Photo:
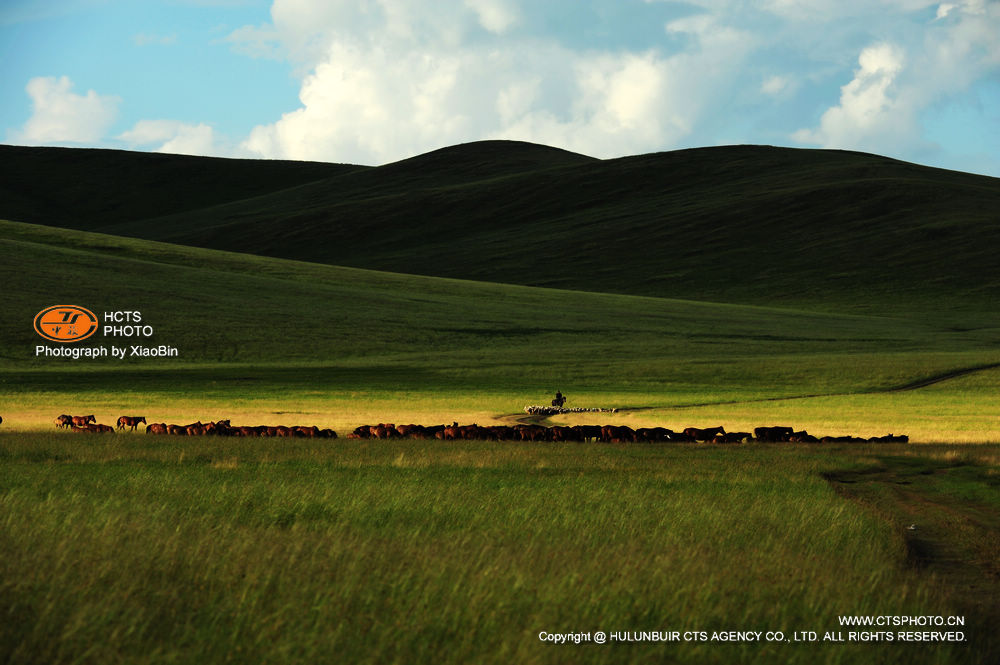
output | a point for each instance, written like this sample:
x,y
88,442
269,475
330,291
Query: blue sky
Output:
x,y
374,81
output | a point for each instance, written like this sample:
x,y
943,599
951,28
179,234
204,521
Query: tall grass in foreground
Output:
x,y
205,551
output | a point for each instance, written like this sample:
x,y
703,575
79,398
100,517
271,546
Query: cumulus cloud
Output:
x,y
943,10
173,137
617,104
494,15
880,108
775,85
387,80
60,115
382,80
870,107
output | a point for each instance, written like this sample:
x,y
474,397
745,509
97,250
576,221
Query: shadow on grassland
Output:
x,y
948,514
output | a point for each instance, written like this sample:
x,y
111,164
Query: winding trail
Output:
x,y
541,419
523,418
913,385
948,536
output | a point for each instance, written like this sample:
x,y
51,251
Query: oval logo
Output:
x,y
65,323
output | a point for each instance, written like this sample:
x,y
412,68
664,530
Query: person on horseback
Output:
x,y
559,400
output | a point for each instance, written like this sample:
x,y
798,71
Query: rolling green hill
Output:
x,y
213,549
748,224
259,333
230,308
88,188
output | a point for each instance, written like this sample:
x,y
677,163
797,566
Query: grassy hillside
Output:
x,y
87,188
259,335
745,224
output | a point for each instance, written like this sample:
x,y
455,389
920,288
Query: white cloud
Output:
x,y
618,104
813,11
880,108
382,80
775,85
173,137
60,115
146,132
256,41
494,15
870,111
394,79
943,10
192,140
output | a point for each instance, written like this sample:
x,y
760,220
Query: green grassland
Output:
x,y
261,337
834,292
156,550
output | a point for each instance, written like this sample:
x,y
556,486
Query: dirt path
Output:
x,y
541,419
950,537
523,419
938,378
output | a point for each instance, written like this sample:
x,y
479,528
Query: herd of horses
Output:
x,y
454,432
88,425
604,434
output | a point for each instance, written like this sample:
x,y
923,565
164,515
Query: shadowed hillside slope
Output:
x,y
85,188
222,307
740,223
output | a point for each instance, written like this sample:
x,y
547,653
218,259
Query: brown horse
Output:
x,y
617,434
131,422
384,431
156,428
93,429
82,421
706,434
64,421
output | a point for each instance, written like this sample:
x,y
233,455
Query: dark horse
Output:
x,y
131,422
706,434
559,400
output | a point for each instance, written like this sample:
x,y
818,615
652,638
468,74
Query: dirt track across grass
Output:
x,y
912,385
951,535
